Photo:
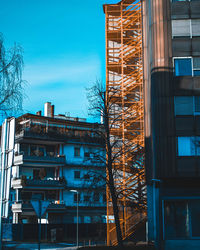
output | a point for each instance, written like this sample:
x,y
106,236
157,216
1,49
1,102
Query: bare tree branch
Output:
x,y
11,83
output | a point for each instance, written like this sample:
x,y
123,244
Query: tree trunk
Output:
x,y
111,183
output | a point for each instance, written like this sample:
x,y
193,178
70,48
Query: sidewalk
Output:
x,y
34,246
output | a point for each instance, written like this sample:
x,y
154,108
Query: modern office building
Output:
x,y
171,44
58,159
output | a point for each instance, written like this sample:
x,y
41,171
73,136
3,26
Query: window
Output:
x,y
75,197
181,28
77,174
87,155
189,146
96,196
36,174
86,198
173,1
37,150
184,0
183,66
182,218
189,66
86,176
87,219
77,152
50,150
187,105
33,150
104,197
75,219
24,148
188,28
196,65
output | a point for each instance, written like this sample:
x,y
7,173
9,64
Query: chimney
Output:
x,y
39,113
47,109
52,110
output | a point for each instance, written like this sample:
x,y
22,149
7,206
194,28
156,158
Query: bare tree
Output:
x,y
99,106
103,104
11,83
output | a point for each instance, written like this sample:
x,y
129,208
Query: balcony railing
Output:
x,y
58,134
43,184
21,159
20,206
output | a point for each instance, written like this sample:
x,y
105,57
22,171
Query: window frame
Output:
x,y
190,26
194,112
182,57
183,198
195,147
75,172
77,148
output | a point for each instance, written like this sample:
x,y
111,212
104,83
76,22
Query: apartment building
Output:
x,y
58,159
172,121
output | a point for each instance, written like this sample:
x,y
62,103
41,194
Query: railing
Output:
x,y
19,159
22,204
50,183
23,181
59,134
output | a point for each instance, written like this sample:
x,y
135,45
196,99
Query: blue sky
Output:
x,y
64,49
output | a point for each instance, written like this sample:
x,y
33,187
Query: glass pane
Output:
x,y
33,150
76,151
194,206
176,219
186,146
41,151
196,72
183,67
183,105
197,104
50,150
195,27
24,148
196,62
197,145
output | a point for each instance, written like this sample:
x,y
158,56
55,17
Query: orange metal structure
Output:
x,y
124,86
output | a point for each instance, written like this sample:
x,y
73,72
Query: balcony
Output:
x,y
39,160
28,134
25,206
56,135
38,184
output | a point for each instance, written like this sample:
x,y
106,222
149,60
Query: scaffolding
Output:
x,y
124,87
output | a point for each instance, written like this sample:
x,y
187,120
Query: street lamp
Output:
x,y
77,197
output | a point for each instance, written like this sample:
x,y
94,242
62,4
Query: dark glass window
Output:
x,y
176,219
196,72
75,197
184,105
77,174
96,196
183,66
50,150
24,149
36,174
182,219
86,198
33,150
86,176
76,152
86,154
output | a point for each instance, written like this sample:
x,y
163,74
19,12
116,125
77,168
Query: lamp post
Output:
x,y
76,191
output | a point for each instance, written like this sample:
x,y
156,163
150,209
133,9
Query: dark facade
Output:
x,y
172,121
